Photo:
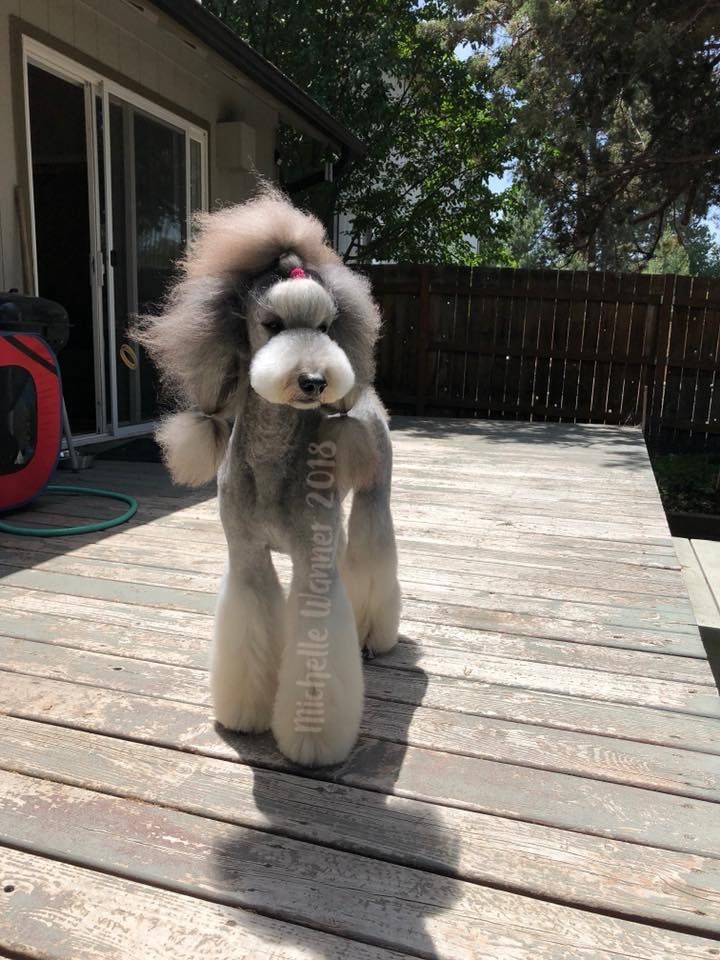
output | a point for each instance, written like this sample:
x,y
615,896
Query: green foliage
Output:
x,y
529,244
610,110
526,229
703,251
697,255
616,112
670,256
433,132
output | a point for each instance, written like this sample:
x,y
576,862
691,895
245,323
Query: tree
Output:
x,y
703,250
670,256
434,134
528,243
617,112
526,231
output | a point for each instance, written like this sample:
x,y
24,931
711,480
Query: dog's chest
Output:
x,y
274,452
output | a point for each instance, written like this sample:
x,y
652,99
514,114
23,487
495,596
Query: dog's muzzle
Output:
x,y
303,368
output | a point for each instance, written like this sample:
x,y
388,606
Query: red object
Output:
x,y
30,417
297,273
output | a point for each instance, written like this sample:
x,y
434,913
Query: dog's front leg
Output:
x,y
369,564
320,689
369,571
248,641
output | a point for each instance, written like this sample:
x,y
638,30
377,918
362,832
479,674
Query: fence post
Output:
x,y
662,341
423,340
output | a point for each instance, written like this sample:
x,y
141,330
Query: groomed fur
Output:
x,y
268,329
251,236
356,452
199,366
199,342
193,446
315,302
274,369
358,317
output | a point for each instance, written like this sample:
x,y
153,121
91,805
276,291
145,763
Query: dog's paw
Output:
x,y
243,717
378,642
318,726
238,703
320,748
380,621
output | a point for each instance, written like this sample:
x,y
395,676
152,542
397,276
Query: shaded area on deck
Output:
x,y
539,767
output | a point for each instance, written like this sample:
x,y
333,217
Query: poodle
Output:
x,y
267,343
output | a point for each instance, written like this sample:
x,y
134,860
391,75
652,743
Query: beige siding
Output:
x,y
61,20
152,50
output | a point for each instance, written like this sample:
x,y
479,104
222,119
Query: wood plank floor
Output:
x,y
538,773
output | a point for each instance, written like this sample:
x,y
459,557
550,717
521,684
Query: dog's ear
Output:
x,y
199,343
357,324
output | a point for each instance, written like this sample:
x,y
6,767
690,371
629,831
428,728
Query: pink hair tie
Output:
x,y
297,273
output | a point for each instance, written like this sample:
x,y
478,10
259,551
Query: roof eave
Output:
x,y
220,38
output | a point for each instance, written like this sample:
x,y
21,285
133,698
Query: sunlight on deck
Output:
x,y
538,770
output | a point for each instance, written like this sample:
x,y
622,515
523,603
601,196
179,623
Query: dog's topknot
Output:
x,y
250,237
289,261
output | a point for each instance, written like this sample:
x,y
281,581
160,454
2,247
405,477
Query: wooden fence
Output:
x,y
554,345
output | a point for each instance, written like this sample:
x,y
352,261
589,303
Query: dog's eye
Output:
x,y
322,327
273,327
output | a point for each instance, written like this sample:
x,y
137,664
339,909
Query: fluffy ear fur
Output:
x,y
357,324
199,344
199,340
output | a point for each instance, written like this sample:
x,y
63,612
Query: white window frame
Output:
x,y
95,85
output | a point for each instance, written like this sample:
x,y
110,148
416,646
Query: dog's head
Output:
x,y
264,303
291,315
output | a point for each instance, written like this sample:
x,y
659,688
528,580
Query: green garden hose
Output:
x,y
83,527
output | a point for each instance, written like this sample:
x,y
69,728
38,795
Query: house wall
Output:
x,y
148,52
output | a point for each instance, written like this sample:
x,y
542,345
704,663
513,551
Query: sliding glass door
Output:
x,y
149,218
65,229
143,177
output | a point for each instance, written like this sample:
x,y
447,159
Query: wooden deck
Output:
x,y
538,774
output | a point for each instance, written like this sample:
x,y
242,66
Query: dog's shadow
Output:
x,y
340,851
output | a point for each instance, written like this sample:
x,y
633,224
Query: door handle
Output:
x,y
97,265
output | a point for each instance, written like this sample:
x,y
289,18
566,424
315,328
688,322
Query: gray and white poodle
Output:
x,y
267,340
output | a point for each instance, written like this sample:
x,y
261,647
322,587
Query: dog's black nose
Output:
x,y
312,384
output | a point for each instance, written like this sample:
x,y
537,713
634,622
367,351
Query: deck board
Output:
x,y
345,893
626,878
688,773
571,801
538,774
